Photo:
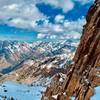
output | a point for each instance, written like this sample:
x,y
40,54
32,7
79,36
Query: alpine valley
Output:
x,y
34,64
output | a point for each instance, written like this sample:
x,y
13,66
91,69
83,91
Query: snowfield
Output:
x,y
20,91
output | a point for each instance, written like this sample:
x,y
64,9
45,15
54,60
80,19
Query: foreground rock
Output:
x,y
84,73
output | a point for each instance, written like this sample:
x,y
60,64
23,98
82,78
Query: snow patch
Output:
x,y
55,96
21,91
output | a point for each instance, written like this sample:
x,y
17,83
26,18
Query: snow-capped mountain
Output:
x,y
34,63
13,53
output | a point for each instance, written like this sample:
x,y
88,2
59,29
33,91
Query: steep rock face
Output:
x,y
84,73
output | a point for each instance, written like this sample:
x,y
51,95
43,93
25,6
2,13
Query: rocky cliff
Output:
x,y
84,73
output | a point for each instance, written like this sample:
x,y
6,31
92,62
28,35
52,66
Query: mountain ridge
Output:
x,y
44,60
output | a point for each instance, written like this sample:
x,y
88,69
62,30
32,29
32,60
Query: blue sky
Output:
x,y
31,20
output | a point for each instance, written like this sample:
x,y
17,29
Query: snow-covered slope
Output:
x,y
13,53
15,91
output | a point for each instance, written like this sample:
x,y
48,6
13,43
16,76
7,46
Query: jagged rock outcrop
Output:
x,y
84,73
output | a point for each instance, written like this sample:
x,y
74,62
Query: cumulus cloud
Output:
x,y
20,15
57,28
65,5
41,36
65,30
25,14
53,36
59,18
74,25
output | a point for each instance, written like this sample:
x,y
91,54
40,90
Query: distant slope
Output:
x,y
43,60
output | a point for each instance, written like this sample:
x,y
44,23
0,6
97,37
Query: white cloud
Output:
x,y
24,13
41,36
74,25
57,28
33,24
72,34
65,5
11,7
53,36
65,30
21,14
19,23
59,18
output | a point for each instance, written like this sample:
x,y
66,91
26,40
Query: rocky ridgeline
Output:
x,y
84,73
46,60
13,53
